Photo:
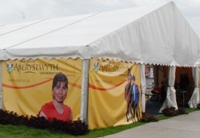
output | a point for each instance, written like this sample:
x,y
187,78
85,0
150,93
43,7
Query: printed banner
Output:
x,y
109,105
27,84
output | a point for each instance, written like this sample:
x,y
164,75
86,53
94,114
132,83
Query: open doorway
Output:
x,y
156,88
184,86
157,84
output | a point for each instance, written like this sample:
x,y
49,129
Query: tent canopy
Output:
x,y
150,35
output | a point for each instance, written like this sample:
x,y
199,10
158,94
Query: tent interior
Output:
x,y
157,83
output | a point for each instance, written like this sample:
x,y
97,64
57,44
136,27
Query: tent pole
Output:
x,y
1,94
143,85
84,90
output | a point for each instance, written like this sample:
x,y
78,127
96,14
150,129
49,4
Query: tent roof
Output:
x,y
150,35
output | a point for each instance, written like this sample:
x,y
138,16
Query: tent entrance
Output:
x,y
184,86
154,99
157,84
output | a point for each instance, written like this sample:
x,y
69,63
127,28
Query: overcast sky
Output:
x,y
14,11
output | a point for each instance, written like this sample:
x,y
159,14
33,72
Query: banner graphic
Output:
x,y
109,104
27,84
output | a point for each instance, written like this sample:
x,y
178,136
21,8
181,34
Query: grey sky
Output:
x,y
13,11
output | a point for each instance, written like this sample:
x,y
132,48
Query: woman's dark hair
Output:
x,y
60,77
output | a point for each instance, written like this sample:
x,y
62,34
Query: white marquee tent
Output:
x,y
158,35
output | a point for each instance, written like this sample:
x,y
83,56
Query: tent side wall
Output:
x,y
110,93
27,84
1,94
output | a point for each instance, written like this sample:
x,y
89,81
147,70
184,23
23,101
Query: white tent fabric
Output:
x,y
146,35
143,85
46,39
170,100
134,35
194,100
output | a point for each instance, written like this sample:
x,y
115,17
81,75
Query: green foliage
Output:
x,y
149,118
71,127
173,112
12,131
198,105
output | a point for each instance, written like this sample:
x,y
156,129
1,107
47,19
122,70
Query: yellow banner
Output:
x,y
27,84
107,102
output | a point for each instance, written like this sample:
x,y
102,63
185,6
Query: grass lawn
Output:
x,y
10,131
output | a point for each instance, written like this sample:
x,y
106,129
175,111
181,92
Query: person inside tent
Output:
x,y
163,89
56,108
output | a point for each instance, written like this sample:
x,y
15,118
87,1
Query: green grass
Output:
x,y
10,131
189,110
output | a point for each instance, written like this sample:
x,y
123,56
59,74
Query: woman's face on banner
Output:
x,y
60,92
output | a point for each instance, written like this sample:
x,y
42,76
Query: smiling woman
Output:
x,y
56,109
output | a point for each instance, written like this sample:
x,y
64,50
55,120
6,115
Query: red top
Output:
x,y
50,111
